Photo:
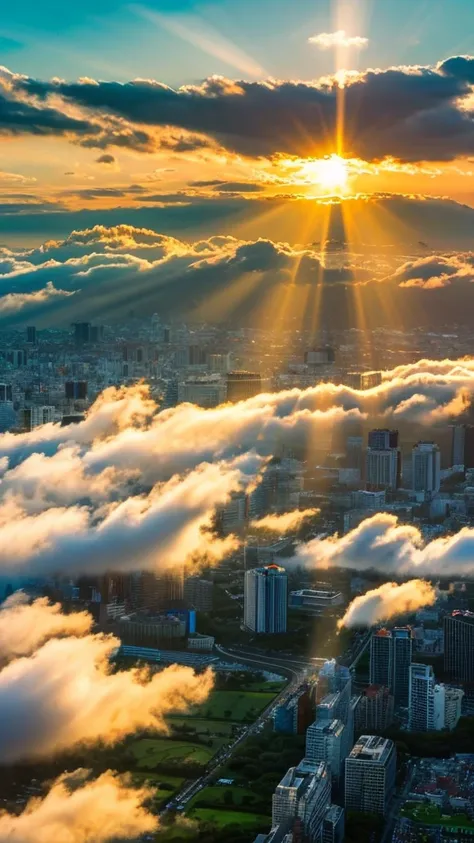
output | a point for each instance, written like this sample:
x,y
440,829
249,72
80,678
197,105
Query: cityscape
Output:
x,y
237,422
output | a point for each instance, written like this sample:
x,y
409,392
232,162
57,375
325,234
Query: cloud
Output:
x,y
436,271
65,695
284,522
327,40
13,302
427,112
80,811
380,542
15,178
106,158
388,601
157,530
25,626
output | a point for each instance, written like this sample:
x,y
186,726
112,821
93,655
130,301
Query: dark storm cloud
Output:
x,y
437,271
421,109
19,117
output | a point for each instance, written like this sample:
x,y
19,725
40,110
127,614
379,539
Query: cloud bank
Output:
x,y
388,601
427,111
97,811
380,542
65,695
284,522
25,626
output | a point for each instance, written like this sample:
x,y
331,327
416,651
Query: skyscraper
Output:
x,y
304,792
370,775
426,470
383,461
375,710
31,334
266,599
382,439
432,706
242,385
462,445
459,646
325,742
390,659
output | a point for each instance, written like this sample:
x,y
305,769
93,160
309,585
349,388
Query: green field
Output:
x,y
218,797
235,705
431,815
151,752
202,726
254,822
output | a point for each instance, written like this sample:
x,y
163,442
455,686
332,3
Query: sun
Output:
x,y
330,174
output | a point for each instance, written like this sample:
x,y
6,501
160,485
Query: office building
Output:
x,y
315,601
198,593
293,716
363,380
305,793
390,659
322,356
459,646
333,825
242,385
151,631
325,741
426,470
432,706
374,711
75,390
383,468
382,439
462,445
207,391
6,392
374,501
82,332
370,775
265,599
36,416
31,334
426,705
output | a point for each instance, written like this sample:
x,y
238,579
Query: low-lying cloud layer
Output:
x,y
24,626
380,542
65,694
388,601
79,811
285,521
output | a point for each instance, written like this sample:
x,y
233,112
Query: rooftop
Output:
x,y
372,748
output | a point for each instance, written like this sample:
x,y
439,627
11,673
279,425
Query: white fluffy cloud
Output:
x,y
12,302
388,601
78,811
382,543
25,626
340,38
285,521
64,695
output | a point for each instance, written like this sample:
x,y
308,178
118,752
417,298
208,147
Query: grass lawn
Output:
x,y
216,796
431,815
254,822
149,752
240,705
207,728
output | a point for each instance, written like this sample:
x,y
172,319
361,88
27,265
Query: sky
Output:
x,y
307,122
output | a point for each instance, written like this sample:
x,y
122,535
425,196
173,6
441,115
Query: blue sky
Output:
x,y
117,40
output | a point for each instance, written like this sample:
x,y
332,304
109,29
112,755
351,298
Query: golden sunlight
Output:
x,y
331,174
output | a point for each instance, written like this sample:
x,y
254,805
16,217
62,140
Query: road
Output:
x,y
225,753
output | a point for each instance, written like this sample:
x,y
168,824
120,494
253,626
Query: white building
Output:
x,y
370,775
304,792
432,706
426,470
266,599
